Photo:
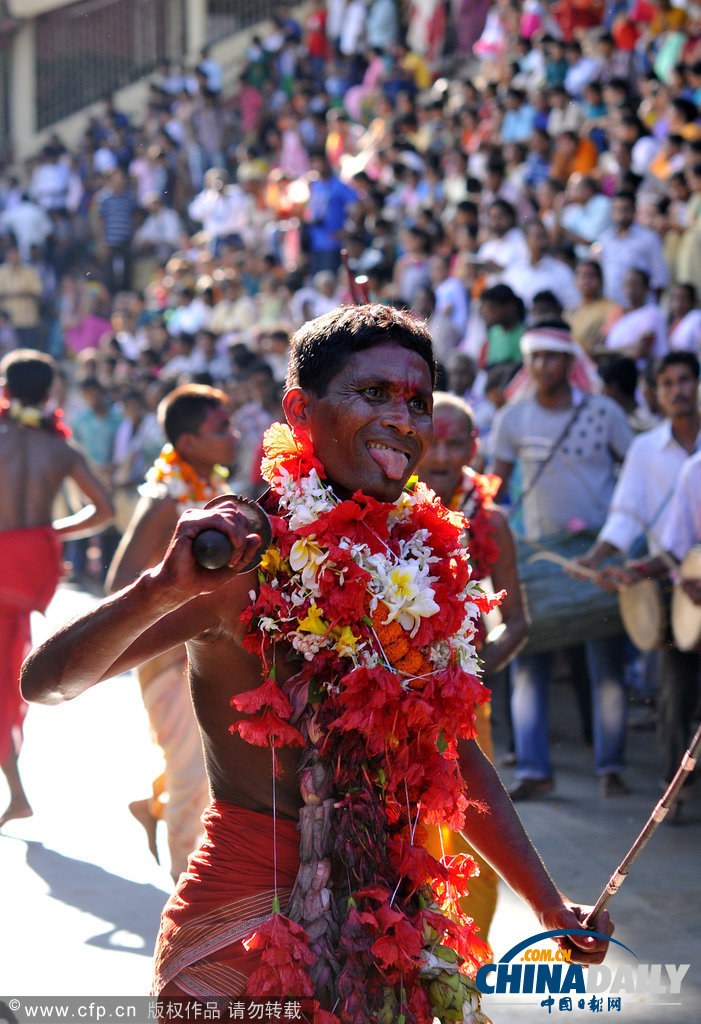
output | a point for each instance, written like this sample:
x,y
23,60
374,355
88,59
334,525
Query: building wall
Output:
x,y
176,29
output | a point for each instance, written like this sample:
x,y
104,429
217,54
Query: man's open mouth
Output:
x,y
393,461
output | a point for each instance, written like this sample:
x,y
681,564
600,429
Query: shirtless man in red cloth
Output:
x,y
358,403
35,459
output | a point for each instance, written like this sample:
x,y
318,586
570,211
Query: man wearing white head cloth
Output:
x,y
567,443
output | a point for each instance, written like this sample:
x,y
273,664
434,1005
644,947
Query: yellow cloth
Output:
x,y
20,290
166,697
481,901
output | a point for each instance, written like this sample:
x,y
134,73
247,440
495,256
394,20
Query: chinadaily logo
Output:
x,y
543,976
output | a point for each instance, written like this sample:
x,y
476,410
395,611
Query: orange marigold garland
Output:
x,y
172,476
376,603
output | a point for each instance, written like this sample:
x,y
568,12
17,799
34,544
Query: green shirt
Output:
x,y
504,346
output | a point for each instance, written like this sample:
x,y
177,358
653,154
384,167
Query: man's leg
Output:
x,y
605,659
678,676
169,707
529,714
14,644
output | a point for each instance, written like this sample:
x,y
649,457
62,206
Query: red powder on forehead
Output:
x,y
442,430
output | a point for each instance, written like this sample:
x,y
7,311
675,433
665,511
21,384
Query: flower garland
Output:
x,y
474,495
171,476
35,417
376,603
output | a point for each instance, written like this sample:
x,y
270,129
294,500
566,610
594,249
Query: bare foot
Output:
x,y
16,809
142,812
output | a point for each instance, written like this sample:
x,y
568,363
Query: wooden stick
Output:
x,y
566,563
356,293
659,813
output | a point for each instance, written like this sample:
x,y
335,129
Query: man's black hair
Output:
x,y
28,375
184,410
321,348
621,371
678,358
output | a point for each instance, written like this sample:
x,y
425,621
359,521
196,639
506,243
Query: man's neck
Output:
x,y
685,431
204,472
561,398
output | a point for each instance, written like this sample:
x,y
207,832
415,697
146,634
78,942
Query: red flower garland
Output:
x,y
387,740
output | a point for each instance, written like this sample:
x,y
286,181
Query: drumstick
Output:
x,y
659,813
355,290
566,563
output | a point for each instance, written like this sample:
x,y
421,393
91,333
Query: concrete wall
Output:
x,y
27,141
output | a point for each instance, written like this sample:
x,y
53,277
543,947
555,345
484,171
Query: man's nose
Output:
x,y
399,417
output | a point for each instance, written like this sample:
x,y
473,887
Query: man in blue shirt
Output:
x,y
329,199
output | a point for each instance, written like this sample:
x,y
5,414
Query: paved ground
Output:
x,y
81,896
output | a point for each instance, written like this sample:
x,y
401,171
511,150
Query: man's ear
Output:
x,y
184,444
296,403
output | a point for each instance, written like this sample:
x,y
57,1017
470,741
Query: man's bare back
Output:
x,y
33,465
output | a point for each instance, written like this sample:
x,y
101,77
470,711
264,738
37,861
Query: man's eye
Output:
x,y
419,404
372,392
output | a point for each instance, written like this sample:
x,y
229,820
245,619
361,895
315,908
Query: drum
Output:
x,y
563,610
686,616
644,608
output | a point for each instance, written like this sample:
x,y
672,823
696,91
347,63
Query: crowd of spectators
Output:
x,y
482,164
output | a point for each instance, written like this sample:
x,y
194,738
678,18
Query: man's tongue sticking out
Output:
x,y
393,463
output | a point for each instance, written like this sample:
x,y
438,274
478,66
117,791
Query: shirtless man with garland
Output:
x,y
359,395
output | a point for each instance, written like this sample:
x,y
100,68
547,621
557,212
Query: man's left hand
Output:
x,y
692,588
585,949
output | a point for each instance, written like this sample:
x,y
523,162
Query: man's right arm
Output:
x,y
166,606
95,514
144,543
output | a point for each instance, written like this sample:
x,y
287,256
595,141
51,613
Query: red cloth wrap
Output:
x,y
224,895
31,569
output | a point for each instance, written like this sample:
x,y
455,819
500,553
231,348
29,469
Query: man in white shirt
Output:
x,y
586,213
541,271
451,294
162,231
225,211
647,500
627,244
29,223
641,500
505,244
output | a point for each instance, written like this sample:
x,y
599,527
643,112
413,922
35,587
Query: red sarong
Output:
x,y
31,569
225,894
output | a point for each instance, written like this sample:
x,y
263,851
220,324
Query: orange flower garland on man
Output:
x,y
446,469
377,755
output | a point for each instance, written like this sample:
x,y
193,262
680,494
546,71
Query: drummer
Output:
x,y
678,670
641,502
567,444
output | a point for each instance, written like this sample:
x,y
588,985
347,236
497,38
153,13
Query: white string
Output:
x,y
272,750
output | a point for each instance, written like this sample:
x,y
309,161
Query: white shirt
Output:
x,y
222,213
639,248
29,223
683,527
163,228
548,274
632,326
641,502
505,252
685,336
451,293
